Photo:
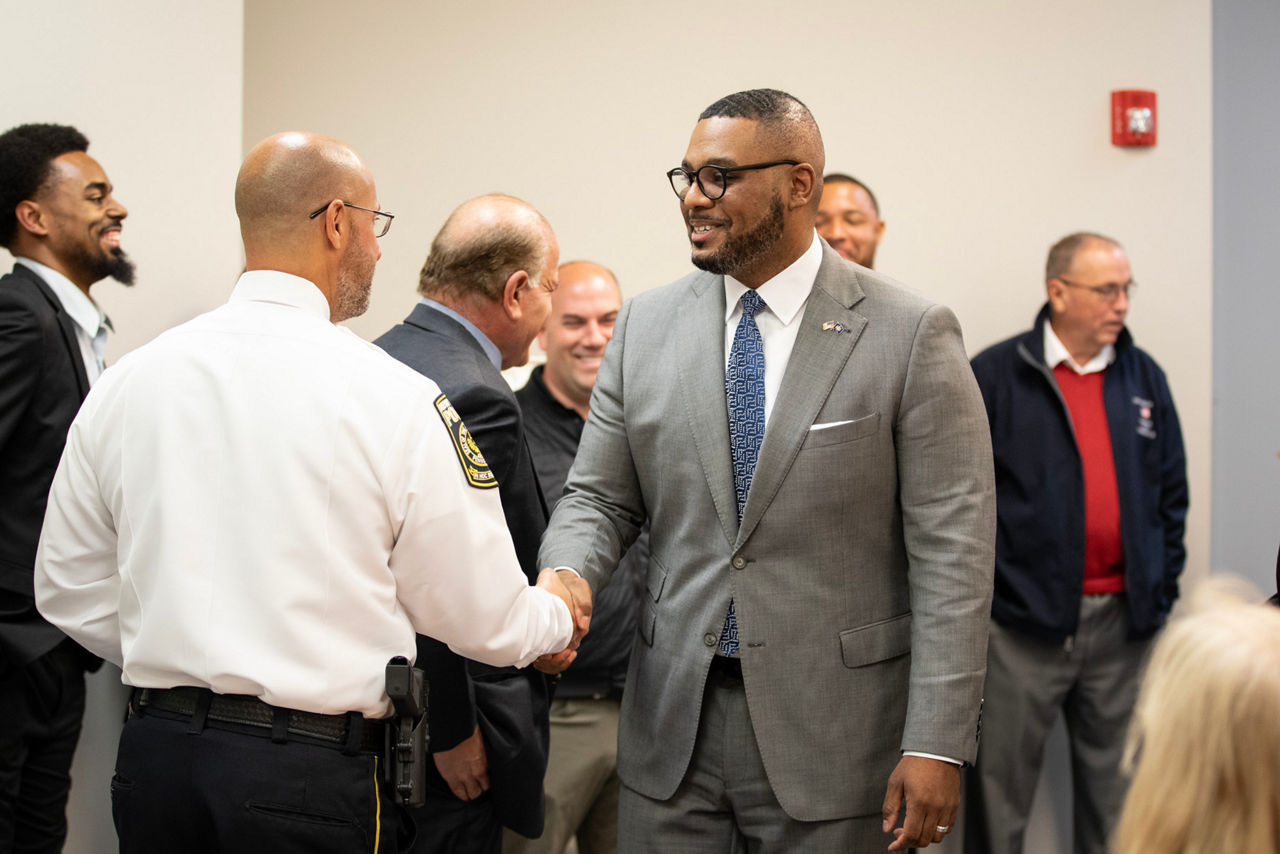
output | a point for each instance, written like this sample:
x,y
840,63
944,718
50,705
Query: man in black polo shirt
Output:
x,y
582,782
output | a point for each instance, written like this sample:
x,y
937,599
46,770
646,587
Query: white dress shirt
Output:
x,y
91,324
785,295
259,502
1055,353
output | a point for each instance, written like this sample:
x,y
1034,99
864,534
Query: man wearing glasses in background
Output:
x,y
808,445
1092,498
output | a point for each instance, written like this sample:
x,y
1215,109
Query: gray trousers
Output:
x,y
1093,681
725,804
581,785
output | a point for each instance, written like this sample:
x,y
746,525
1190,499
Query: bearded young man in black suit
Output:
x,y
486,289
62,225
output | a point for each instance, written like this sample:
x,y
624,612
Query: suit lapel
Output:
x,y
699,350
65,324
817,359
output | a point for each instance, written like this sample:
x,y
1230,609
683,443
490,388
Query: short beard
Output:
x,y
355,282
119,267
113,263
746,250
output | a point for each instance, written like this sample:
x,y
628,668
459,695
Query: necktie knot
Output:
x,y
751,303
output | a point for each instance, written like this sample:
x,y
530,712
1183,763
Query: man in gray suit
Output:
x,y
812,640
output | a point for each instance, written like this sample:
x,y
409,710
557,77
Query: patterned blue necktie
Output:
x,y
744,395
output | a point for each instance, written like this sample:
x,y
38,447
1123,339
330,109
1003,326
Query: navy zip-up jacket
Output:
x,y
1040,486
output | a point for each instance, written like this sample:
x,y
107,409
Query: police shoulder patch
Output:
x,y
473,463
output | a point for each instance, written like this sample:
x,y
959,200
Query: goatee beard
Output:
x,y
744,251
118,266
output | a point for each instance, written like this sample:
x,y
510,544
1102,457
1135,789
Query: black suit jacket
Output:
x,y
510,705
42,383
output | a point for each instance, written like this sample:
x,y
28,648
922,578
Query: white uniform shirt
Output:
x,y
259,502
91,323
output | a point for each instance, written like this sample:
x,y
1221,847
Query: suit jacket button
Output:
x,y
710,639
739,562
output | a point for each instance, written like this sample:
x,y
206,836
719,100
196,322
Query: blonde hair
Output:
x,y
1205,736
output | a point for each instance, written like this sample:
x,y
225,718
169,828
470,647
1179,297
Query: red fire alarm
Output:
x,y
1133,117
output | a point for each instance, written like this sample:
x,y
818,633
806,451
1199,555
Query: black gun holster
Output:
x,y
407,736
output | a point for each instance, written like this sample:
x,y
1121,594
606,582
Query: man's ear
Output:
x,y
513,294
804,184
1055,292
31,217
336,223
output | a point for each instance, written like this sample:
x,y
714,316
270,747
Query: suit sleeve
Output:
x,y
947,493
602,510
21,355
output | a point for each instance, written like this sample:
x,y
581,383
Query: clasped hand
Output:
x,y
574,590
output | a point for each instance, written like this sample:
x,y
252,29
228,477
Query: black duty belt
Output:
x,y
352,732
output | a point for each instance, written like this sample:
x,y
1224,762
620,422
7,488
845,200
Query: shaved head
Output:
x,y
307,205
481,244
289,175
573,271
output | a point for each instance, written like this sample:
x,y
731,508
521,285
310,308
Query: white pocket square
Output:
x,y
816,427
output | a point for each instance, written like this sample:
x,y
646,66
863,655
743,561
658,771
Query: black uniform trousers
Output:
x,y
41,707
183,789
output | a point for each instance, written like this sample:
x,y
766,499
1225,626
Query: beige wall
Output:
x,y
156,86
983,128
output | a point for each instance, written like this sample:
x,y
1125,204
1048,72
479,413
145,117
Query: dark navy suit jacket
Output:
x,y
510,705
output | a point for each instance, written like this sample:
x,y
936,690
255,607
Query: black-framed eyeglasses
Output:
x,y
381,219
714,180
1108,293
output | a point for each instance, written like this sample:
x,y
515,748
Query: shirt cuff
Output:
x,y
933,756
568,569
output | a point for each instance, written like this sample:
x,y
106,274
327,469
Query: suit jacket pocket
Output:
x,y
648,619
657,578
876,642
853,431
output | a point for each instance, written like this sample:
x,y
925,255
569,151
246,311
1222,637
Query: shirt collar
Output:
x,y
283,289
785,293
1055,353
490,349
75,302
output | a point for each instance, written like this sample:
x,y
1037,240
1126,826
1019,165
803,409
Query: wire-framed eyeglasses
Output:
x,y
1108,293
381,219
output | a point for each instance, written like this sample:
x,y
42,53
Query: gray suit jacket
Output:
x,y
862,569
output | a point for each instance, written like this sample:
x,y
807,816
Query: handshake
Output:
x,y
576,595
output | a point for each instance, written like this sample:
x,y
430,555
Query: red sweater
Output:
x,y
1103,544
